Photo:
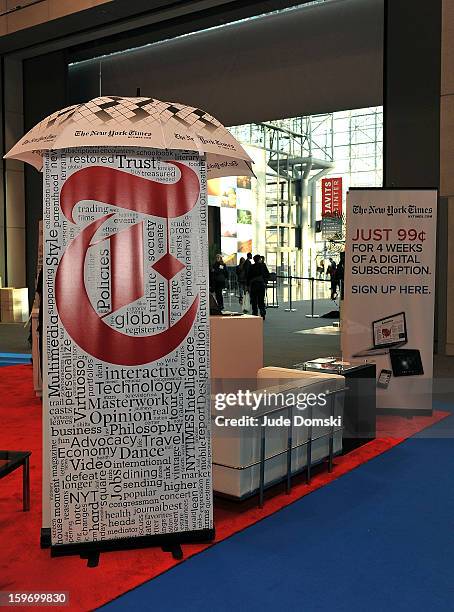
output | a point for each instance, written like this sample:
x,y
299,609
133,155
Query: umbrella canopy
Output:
x,y
136,122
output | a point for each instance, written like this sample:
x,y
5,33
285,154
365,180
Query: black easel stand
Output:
x,y
91,551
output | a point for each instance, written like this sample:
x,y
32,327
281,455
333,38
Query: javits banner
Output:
x,y
388,311
331,207
332,197
127,377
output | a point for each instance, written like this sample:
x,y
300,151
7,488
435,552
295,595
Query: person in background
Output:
x,y
219,279
241,276
328,272
340,275
257,278
262,260
247,264
321,269
332,273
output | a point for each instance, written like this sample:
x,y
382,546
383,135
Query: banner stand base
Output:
x,y
168,542
45,538
92,559
175,550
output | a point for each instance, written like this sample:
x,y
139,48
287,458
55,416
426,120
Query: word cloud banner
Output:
x,y
388,311
126,374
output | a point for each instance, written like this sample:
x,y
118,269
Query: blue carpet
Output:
x,y
380,538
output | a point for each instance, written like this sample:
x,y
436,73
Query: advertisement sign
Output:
x,y
388,311
332,197
126,375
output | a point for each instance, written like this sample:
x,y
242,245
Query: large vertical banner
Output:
x,y
126,376
388,312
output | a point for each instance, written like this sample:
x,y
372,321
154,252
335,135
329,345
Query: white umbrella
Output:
x,y
116,121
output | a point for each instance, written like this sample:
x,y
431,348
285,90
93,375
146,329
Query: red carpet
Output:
x,y
25,567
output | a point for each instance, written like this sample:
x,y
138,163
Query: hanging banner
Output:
x,y
126,374
332,228
332,197
388,311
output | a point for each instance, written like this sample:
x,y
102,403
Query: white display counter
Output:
x,y
237,450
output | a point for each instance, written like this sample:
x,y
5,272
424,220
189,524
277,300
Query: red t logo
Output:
x,y
82,322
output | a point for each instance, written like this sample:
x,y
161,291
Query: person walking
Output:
x,y
219,279
340,275
247,264
241,277
332,272
257,278
328,272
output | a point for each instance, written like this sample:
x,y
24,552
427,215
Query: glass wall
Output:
x,y
298,152
356,140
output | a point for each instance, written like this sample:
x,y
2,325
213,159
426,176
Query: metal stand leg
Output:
x,y
274,303
312,315
92,558
331,437
309,451
175,550
26,485
290,305
289,452
45,538
262,466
